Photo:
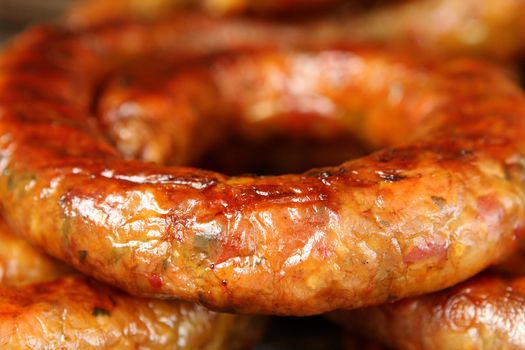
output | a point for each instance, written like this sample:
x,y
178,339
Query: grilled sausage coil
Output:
x,y
442,201
486,312
491,29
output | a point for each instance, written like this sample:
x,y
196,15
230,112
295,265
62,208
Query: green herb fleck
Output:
x,y
440,202
391,298
67,224
82,255
11,183
206,243
165,264
98,311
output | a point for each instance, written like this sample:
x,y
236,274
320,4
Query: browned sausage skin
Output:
x,y
74,313
484,313
95,12
392,324
43,305
403,221
490,28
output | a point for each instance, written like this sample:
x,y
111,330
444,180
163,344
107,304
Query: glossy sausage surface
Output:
x,y
485,313
488,28
442,201
45,305
74,313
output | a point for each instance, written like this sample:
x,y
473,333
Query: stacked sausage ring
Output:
x,y
44,305
441,199
488,28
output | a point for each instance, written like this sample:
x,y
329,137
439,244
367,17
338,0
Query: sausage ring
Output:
x,y
93,12
442,200
486,312
43,304
486,28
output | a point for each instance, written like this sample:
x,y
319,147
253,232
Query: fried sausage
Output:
x,y
442,201
484,313
45,305
75,313
489,28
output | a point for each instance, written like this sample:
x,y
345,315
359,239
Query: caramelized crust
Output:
x,y
442,204
44,306
490,28
484,313
74,313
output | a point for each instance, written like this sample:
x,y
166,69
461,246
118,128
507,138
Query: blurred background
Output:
x,y
16,14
